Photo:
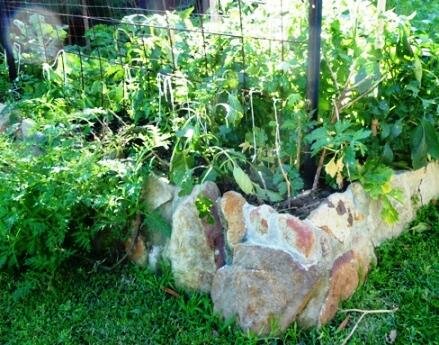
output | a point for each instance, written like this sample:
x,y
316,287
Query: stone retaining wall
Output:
x,y
265,267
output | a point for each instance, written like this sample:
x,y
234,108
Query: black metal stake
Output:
x,y
308,166
314,55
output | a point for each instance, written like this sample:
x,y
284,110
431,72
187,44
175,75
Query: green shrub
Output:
x,y
58,197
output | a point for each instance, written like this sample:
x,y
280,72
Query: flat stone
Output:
x,y
263,287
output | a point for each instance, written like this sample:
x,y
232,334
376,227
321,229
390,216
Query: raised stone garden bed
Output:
x,y
267,268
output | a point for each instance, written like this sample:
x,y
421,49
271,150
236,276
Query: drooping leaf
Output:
x,y
234,110
417,64
419,147
425,141
432,139
243,180
269,195
331,168
387,153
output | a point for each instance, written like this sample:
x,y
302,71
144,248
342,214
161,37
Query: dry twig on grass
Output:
x,y
363,314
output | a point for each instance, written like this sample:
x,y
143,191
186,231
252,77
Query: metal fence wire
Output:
x,y
122,38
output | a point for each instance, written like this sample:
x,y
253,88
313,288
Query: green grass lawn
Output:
x,y
130,305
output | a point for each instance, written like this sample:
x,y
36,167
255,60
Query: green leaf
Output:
x,y
387,153
361,134
155,222
417,64
266,194
432,139
419,147
243,180
425,141
181,173
349,157
234,110
397,128
319,139
389,214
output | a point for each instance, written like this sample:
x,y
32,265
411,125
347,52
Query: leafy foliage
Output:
x,y
69,195
204,206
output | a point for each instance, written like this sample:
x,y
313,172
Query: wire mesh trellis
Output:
x,y
80,15
142,56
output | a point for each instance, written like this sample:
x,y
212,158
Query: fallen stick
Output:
x,y
364,313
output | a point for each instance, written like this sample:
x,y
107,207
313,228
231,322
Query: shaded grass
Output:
x,y
130,306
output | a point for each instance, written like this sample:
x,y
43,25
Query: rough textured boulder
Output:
x,y
346,274
262,225
196,248
264,287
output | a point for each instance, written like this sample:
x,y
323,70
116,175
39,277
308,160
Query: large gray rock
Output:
x,y
196,248
264,287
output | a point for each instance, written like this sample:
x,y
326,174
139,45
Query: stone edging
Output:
x,y
266,268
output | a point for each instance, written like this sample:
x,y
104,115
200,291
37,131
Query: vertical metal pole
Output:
x,y
314,55
308,167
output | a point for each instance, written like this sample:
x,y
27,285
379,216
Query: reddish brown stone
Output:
x,y
232,204
344,279
304,235
137,253
263,285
